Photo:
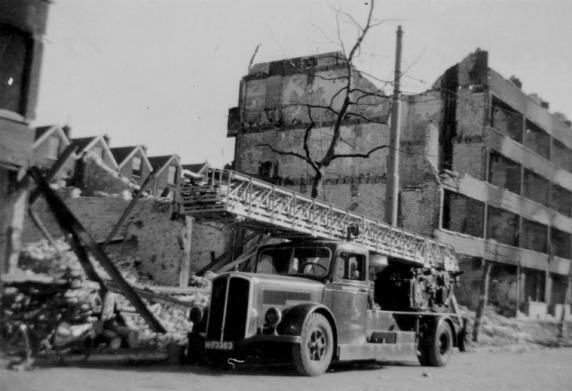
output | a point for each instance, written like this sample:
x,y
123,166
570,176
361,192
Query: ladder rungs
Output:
x,y
228,193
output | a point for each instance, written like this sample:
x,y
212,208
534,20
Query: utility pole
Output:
x,y
392,186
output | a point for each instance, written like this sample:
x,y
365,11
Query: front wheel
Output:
x,y
440,348
313,356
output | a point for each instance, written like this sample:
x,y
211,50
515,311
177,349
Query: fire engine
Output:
x,y
342,288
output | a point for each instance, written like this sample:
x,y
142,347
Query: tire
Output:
x,y
439,351
313,356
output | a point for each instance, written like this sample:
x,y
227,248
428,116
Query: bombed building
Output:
x,y
483,166
22,25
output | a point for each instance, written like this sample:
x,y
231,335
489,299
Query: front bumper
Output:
x,y
198,342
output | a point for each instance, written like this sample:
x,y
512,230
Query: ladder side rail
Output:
x,y
271,204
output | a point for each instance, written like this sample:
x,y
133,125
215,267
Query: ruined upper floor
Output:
x,y
293,93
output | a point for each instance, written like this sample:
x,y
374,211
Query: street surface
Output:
x,y
519,369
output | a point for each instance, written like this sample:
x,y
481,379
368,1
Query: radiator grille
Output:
x,y
236,317
237,310
216,310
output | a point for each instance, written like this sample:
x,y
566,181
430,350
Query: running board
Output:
x,y
401,347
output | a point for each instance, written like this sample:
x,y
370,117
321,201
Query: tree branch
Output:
x,y
366,118
359,155
286,153
309,159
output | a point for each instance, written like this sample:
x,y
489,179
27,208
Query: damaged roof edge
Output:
x,y
298,64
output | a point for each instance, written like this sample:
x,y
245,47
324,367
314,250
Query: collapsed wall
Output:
x,y
153,234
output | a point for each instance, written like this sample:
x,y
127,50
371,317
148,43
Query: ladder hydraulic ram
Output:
x,y
263,206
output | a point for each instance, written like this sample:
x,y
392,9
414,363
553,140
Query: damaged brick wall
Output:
x,y
463,214
560,155
419,208
419,147
504,173
506,120
502,285
534,236
209,239
561,200
537,139
469,153
274,111
535,187
502,226
349,182
276,94
149,234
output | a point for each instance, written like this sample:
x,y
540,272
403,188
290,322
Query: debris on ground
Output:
x,y
500,332
42,259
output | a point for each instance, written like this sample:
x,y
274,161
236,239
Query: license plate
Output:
x,y
218,345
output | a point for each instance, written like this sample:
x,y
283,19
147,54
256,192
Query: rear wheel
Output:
x,y
439,350
313,356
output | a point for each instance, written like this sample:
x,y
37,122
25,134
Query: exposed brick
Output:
x,y
149,233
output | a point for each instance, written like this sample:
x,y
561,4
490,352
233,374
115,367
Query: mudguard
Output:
x,y
293,319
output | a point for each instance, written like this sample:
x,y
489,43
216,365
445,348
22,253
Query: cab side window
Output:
x,y
350,267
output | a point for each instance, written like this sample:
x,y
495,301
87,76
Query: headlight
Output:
x,y
273,316
196,314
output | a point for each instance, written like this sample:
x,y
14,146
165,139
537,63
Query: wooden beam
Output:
x,y
186,237
128,210
54,171
69,223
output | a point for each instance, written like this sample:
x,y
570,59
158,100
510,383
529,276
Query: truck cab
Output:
x,y
324,300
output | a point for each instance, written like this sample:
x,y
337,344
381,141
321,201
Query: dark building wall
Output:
x,y
22,26
22,23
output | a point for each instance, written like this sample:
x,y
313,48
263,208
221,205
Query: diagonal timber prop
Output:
x,y
80,238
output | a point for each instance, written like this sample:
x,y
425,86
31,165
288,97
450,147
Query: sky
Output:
x,y
163,73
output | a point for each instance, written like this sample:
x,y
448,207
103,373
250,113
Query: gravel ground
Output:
x,y
512,368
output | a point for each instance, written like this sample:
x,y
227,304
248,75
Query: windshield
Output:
x,y
308,261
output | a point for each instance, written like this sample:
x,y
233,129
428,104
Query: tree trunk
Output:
x,y
484,293
317,183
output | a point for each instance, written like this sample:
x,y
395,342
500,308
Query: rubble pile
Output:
x,y
174,319
60,316
42,259
498,331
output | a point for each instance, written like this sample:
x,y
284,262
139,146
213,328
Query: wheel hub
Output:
x,y
317,345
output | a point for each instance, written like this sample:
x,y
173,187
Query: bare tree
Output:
x,y
350,101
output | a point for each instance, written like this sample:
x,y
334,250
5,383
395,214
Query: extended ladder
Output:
x,y
263,206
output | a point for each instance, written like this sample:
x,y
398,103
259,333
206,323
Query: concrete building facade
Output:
x,y
506,185
483,166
